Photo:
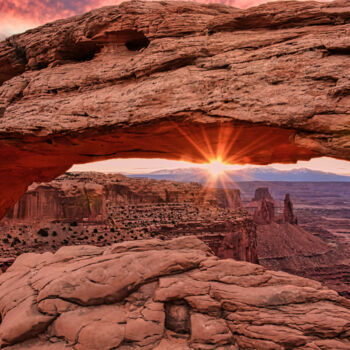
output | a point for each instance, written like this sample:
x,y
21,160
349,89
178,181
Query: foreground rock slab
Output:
x,y
161,295
263,85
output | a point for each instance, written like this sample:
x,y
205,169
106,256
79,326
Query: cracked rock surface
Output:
x,y
163,295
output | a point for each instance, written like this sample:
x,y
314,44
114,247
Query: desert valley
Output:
x,y
310,238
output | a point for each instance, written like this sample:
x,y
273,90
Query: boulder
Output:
x,y
163,295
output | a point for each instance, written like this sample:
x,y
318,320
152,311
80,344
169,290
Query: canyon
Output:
x,y
96,208
284,245
103,209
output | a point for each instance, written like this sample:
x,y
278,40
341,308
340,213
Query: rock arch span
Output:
x,y
174,80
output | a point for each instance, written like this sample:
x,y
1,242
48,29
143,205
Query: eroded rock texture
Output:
x,y
62,202
267,84
163,295
288,213
100,209
284,245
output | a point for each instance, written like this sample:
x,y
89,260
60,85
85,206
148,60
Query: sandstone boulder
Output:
x,y
163,295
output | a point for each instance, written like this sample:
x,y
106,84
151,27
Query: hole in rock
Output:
x,y
339,51
137,44
132,39
177,316
80,51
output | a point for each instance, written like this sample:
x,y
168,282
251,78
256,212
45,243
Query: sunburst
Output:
x,y
216,167
219,151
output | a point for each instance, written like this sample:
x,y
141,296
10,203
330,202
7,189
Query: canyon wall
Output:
x,y
106,208
283,245
57,201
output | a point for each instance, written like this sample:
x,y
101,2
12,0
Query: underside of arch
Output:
x,y
174,80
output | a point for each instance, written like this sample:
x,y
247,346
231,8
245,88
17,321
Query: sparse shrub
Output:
x,y
43,232
74,223
54,233
15,241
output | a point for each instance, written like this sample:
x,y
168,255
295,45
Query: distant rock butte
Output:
x,y
288,214
283,245
61,201
172,295
263,206
262,85
262,193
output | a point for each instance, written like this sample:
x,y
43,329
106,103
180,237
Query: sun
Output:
x,y
216,167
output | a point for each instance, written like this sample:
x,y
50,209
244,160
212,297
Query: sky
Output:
x,y
137,166
17,16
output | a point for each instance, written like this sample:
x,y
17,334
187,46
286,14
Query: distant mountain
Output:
x,y
250,174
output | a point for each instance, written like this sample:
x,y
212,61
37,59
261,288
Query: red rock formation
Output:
x,y
283,245
265,214
85,88
61,201
262,193
288,214
102,209
173,295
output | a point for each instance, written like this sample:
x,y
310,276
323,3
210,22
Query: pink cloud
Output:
x,y
19,15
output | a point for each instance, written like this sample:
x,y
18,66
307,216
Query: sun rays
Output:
x,y
215,148
216,167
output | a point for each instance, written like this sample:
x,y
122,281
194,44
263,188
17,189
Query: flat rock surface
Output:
x,y
163,295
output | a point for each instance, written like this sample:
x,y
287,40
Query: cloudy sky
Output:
x,y
17,16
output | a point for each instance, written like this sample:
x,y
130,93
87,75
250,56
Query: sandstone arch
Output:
x,y
174,80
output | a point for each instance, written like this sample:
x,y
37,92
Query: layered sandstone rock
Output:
x,y
283,245
266,84
262,193
101,209
163,295
83,197
61,201
263,207
288,213
265,214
